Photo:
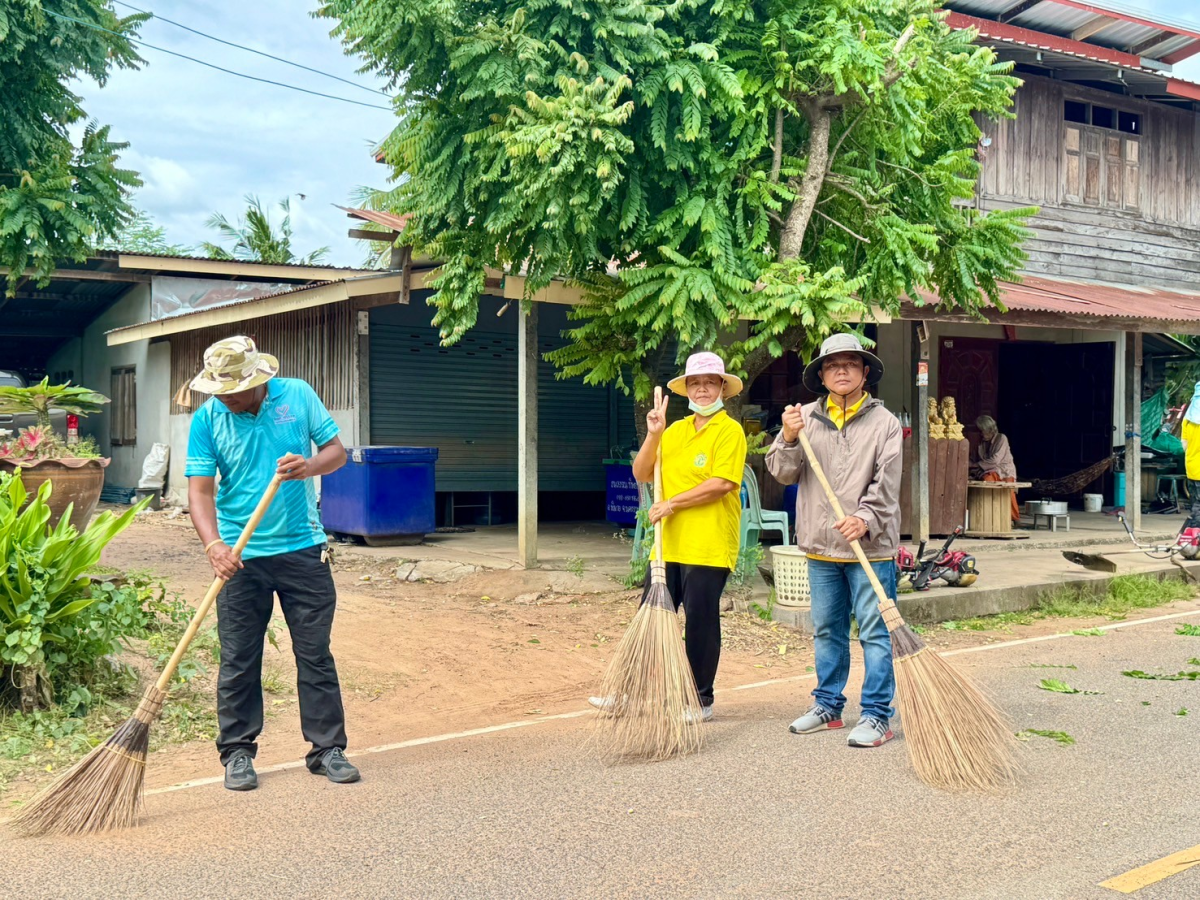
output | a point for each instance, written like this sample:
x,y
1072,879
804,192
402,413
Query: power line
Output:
x,y
290,87
361,87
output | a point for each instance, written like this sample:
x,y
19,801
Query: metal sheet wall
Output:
x,y
463,400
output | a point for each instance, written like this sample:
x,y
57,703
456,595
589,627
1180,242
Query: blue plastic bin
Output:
x,y
381,493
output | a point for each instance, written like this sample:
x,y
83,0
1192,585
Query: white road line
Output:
x,y
525,723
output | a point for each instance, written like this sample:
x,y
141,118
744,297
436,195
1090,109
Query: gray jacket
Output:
x,y
862,462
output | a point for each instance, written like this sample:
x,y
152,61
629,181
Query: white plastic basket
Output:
x,y
791,576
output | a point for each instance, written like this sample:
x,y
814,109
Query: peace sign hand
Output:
x,y
656,419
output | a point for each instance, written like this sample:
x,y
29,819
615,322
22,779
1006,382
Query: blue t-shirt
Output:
x,y
244,449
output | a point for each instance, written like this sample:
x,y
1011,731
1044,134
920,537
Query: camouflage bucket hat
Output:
x,y
232,365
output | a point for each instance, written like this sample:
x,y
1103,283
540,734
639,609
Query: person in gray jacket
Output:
x,y
858,444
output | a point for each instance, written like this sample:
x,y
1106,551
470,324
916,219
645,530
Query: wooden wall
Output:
x,y
316,345
1157,244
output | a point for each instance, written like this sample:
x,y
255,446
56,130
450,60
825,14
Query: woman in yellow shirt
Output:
x,y
703,459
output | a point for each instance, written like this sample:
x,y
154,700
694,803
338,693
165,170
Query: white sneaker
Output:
x,y
605,704
706,714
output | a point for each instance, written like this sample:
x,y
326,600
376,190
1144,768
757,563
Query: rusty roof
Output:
x,y
1065,303
387,220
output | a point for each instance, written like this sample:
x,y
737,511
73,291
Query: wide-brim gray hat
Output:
x,y
841,343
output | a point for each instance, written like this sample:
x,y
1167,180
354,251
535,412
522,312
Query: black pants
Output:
x,y
1193,520
307,598
698,590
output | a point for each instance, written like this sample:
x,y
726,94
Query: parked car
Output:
x,y
14,423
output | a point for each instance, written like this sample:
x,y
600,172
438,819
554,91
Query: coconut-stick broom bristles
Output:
x,y
103,790
652,708
956,737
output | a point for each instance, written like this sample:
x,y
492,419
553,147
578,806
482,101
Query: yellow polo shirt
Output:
x,y
706,535
834,409
1191,457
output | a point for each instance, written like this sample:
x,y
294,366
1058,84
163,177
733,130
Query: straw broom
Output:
x,y
654,709
956,737
103,790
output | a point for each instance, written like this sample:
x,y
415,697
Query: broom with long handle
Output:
x,y
103,790
956,737
653,707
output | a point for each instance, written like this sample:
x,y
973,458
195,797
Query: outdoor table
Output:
x,y
989,507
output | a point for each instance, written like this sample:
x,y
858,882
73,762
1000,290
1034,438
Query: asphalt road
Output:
x,y
760,813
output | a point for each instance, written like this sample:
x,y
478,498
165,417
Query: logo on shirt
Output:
x,y
700,461
283,416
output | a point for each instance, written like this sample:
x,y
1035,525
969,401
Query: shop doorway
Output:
x,y
1053,401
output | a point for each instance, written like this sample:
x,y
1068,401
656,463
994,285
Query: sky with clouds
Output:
x,y
202,139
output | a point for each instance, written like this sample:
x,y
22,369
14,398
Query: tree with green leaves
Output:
x,y
255,238
141,234
752,172
58,198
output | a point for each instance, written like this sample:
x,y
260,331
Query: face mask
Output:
x,y
709,410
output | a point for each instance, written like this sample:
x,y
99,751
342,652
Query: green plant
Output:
x,y
747,564
639,562
1059,736
1188,630
62,186
784,165
40,398
766,613
575,566
44,586
255,238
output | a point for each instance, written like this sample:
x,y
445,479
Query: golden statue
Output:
x,y
937,430
954,431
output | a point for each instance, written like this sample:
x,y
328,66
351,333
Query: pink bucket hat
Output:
x,y
706,364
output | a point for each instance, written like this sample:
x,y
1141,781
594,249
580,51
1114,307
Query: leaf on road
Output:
x,y
1189,630
1059,736
1147,676
1061,687
1182,711
1089,632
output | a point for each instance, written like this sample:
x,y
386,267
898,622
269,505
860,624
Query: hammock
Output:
x,y
1070,485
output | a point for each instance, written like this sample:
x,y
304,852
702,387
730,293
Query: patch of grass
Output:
x,y
1060,737
1156,676
274,682
1061,687
575,566
1125,594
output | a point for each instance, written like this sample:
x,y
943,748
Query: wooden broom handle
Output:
x,y
658,496
164,680
885,602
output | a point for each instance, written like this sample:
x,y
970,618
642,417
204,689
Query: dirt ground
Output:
x,y
424,659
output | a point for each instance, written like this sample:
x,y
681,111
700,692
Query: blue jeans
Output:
x,y
839,589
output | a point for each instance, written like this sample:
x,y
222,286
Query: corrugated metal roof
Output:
x,y
387,220
246,262
1096,300
1130,27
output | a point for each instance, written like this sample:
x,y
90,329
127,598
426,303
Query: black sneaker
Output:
x,y
336,767
239,772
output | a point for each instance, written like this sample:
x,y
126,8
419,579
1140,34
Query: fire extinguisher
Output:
x,y
72,430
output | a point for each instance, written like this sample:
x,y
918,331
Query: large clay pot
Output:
x,y
76,481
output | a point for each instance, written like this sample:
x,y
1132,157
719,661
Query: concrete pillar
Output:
x,y
527,436
1133,429
920,434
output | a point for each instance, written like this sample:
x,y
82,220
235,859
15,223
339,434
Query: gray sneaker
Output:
x,y
870,732
706,714
239,772
336,767
816,719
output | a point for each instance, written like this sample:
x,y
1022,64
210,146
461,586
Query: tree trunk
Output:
x,y
34,690
820,124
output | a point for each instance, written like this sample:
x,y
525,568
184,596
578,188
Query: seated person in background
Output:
x,y
993,460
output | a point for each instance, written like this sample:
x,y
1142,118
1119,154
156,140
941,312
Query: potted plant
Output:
x,y
76,470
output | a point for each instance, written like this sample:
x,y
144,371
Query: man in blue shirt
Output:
x,y
254,427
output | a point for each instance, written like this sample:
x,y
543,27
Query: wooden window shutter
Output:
x,y
1073,188
123,407
1131,196
1091,168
